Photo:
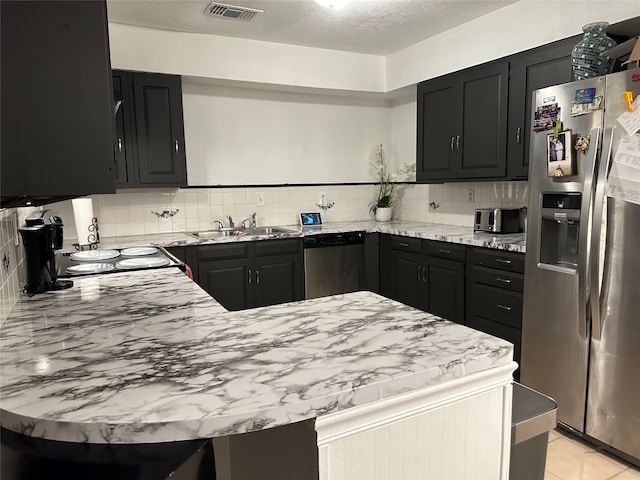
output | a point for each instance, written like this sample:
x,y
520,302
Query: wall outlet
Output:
x,y
471,195
260,202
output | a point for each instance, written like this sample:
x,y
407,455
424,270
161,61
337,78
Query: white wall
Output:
x,y
257,137
212,56
516,27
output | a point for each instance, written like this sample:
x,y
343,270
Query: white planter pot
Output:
x,y
383,214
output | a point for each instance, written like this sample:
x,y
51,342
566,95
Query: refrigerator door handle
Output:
x,y
596,231
584,240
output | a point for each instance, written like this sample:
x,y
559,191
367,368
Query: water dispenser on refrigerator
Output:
x,y
560,230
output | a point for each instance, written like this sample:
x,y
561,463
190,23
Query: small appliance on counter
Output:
x,y
89,262
498,220
41,236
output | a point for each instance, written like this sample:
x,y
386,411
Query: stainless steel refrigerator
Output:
x,y
581,323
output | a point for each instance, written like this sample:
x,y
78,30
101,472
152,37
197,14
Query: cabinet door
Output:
x,y
159,129
445,286
482,143
409,279
438,124
57,99
125,133
230,282
372,262
278,279
386,266
538,68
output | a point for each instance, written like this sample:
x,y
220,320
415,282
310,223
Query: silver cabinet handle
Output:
x,y
503,280
419,273
120,144
424,274
518,136
504,307
177,147
446,252
452,143
257,277
248,276
403,244
503,260
457,142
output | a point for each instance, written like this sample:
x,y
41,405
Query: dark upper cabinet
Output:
x,y
150,130
125,139
57,101
538,68
474,124
482,146
461,124
438,121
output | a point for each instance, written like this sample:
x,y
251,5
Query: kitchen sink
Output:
x,y
231,232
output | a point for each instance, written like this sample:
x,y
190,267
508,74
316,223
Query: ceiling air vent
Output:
x,y
216,9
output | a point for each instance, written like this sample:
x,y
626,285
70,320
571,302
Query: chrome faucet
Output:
x,y
231,224
253,223
220,225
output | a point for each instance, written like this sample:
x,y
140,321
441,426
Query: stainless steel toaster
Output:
x,y
497,220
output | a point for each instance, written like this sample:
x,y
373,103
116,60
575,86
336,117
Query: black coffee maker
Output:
x,y
41,236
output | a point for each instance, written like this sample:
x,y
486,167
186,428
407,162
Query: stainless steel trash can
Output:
x,y
533,416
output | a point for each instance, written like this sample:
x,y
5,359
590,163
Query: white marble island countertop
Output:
x,y
514,242
148,356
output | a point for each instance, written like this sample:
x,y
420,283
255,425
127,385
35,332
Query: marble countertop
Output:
x,y
514,242
148,356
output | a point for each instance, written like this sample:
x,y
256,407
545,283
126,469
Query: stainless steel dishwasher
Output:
x,y
333,263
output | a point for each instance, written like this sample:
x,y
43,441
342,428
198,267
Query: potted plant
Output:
x,y
387,194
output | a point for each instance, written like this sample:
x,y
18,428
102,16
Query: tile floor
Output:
x,y
569,458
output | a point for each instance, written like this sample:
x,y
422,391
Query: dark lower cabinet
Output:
x,y
150,147
228,281
57,101
446,288
243,275
495,281
424,274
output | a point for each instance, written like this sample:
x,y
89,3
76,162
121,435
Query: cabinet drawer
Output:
x,y
498,278
513,262
509,334
278,247
498,305
228,250
406,244
452,251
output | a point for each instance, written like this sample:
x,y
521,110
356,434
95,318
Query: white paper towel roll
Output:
x,y
83,215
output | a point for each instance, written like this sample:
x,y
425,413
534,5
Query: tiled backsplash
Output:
x,y
11,258
129,212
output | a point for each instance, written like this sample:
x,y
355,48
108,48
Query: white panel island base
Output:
x,y
457,430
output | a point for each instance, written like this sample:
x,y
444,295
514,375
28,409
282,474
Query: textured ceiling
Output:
x,y
365,26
